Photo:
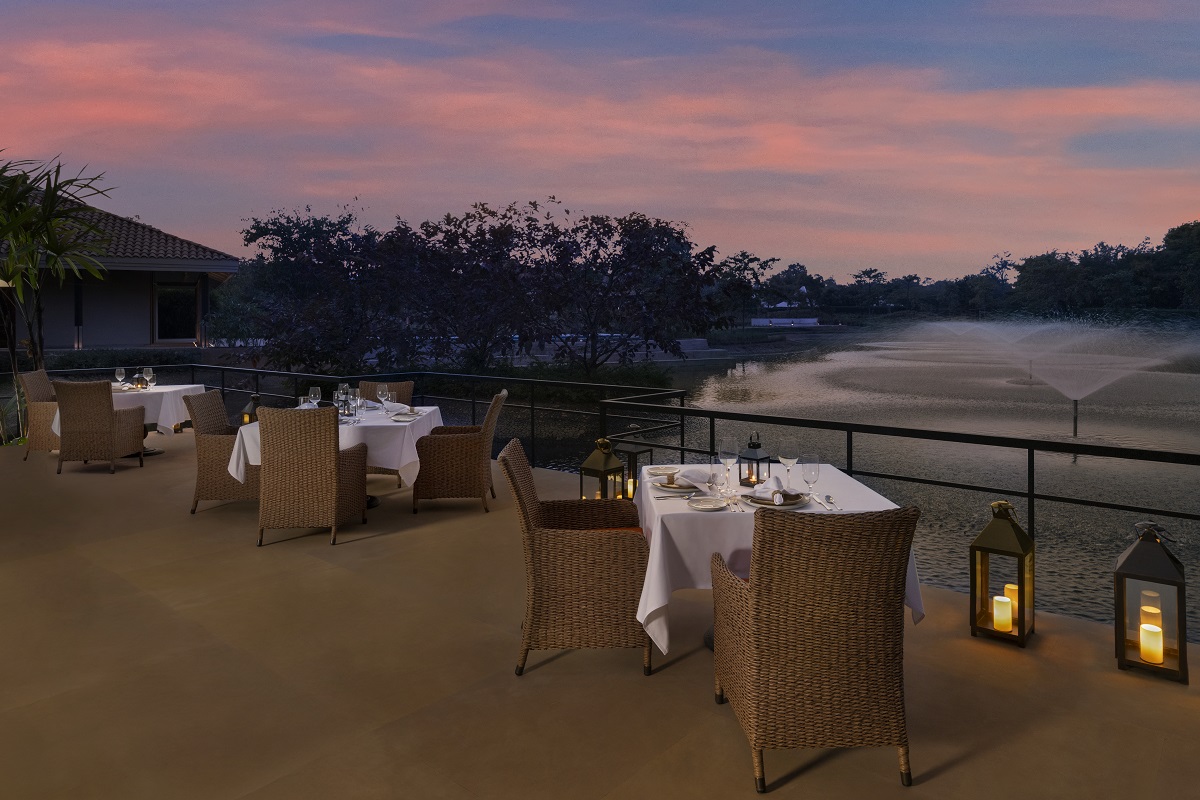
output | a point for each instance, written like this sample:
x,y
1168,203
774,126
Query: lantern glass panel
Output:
x,y
993,573
1155,604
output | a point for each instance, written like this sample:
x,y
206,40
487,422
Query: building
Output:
x,y
154,291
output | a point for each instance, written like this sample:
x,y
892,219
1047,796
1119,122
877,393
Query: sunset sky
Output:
x,y
906,136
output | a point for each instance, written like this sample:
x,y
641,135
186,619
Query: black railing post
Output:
x,y
1031,491
222,383
532,424
849,452
712,438
474,398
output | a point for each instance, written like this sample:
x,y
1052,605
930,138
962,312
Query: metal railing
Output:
x,y
657,413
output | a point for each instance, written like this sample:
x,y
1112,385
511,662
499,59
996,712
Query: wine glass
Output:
x,y
383,393
788,454
151,378
810,469
728,456
718,480
120,373
314,394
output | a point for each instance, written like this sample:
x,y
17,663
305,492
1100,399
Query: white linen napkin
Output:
x,y
698,477
395,408
766,490
307,404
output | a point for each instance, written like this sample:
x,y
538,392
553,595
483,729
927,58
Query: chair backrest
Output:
x,y
520,480
207,412
402,391
84,406
827,606
489,422
37,387
299,452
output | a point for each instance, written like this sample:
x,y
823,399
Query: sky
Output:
x,y
910,137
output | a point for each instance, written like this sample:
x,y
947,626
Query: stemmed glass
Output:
x,y
314,394
788,454
384,395
810,469
729,457
120,373
151,378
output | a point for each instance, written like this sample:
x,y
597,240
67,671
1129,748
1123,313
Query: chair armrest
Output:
x,y
731,624
449,445
129,417
451,430
609,564
589,514
354,459
218,447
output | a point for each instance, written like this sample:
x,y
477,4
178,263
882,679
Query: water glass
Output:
x,y
810,469
151,378
383,393
314,394
788,455
120,373
728,456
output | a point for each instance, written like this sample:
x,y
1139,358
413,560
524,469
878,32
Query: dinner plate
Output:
x,y
679,485
659,472
769,503
707,504
404,417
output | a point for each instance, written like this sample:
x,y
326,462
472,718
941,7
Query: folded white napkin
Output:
x,y
697,476
766,490
307,404
394,408
370,405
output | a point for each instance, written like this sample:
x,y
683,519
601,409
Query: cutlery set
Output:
x,y
828,503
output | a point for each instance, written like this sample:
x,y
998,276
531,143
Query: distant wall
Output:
x,y
783,322
117,311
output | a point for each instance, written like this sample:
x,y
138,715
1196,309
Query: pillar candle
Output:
x,y
1010,591
1152,644
1002,614
1151,616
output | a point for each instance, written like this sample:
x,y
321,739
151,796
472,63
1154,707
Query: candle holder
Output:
x,y
754,463
1004,611
1151,618
250,412
606,468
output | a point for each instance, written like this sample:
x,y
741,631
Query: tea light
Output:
x,y
1002,614
1010,591
1151,649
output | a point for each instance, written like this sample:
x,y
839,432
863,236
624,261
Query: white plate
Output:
x,y
766,502
662,471
404,417
680,486
707,504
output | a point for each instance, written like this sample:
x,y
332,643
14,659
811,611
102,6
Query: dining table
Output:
x,y
164,404
391,439
682,539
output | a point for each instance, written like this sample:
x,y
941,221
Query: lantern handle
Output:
x,y
1151,528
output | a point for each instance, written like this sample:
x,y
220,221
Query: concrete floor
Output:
x,y
149,653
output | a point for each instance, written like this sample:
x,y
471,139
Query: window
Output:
x,y
175,312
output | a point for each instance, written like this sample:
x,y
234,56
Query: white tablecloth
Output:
x,y
683,540
390,445
164,404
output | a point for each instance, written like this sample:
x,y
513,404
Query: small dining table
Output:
x,y
390,444
164,404
682,541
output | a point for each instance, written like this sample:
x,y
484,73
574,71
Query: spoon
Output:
x,y
829,499
673,496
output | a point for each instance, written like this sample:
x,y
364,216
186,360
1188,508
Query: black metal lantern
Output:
x,y
1151,610
139,381
754,463
250,412
1003,610
604,466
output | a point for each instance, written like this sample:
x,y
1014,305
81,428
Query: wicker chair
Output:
x,y
810,650
402,392
90,427
306,481
585,563
40,408
215,438
456,460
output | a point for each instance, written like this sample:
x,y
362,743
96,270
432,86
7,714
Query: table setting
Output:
x,y
689,512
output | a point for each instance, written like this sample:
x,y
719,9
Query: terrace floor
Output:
x,y
154,654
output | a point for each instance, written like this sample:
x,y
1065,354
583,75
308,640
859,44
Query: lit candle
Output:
x,y
1002,614
1151,607
1152,644
1010,591
629,488
597,495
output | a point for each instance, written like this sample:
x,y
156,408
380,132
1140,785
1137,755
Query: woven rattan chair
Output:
x,y
456,460
306,481
215,438
585,563
90,429
810,651
402,392
40,408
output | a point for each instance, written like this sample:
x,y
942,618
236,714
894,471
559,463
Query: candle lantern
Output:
x,y
250,412
139,381
754,463
605,467
1002,604
1151,612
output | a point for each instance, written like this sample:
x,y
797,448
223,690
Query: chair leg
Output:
x,y
414,502
333,536
60,466
260,535
760,779
112,467
142,457
521,661
26,458
646,659
905,769
195,502
493,488
718,692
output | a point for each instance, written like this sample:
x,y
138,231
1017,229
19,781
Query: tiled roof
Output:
x,y
132,239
